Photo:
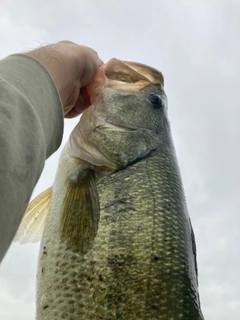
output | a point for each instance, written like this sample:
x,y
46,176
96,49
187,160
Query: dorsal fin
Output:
x,y
32,225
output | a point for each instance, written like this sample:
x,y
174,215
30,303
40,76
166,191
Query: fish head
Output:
x,y
127,115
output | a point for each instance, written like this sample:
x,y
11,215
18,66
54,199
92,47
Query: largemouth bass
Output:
x,y
118,241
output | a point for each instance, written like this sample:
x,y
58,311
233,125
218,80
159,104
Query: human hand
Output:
x,y
72,67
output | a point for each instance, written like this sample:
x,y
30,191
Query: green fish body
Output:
x,y
130,253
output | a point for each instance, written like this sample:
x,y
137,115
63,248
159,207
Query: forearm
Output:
x,y
31,127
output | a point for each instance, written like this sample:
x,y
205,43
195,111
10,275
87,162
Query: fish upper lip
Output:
x,y
153,75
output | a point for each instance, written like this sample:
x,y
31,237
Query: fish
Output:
x,y
116,238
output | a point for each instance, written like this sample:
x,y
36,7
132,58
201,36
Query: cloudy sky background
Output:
x,y
196,44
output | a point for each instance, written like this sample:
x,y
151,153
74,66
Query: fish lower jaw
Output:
x,y
117,127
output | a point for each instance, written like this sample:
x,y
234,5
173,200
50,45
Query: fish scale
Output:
x,y
141,265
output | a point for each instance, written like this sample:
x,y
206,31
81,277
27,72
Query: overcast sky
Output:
x,y
196,44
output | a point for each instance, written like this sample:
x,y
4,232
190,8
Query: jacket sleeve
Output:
x,y
31,129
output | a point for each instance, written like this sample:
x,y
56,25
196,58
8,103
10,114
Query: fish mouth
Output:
x,y
123,76
132,72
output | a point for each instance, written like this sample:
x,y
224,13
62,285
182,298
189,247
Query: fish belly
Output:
x,y
142,263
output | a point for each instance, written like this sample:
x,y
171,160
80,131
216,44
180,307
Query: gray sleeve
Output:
x,y
31,129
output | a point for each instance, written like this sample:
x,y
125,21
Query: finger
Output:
x,y
90,63
71,114
82,103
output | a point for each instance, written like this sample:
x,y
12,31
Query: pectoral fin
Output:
x,y
32,225
80,214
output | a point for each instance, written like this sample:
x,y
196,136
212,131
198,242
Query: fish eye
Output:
x,y
156,100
